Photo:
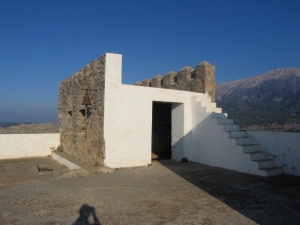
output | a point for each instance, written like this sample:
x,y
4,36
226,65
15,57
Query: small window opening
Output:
x,y
193,76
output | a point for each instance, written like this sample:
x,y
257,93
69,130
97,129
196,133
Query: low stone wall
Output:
x,y
27,145
283,147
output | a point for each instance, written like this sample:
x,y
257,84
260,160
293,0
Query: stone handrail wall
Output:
x,y
282,147
201,80
82,135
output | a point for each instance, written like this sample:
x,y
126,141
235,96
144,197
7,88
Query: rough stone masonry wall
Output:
x,y
83,138
201,80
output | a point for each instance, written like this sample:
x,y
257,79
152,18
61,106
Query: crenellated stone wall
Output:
x,y
82,135
201,80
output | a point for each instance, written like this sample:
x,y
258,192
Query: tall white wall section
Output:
x,y
128,118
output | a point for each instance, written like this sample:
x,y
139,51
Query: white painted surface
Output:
x,y
128,118
177,131
195,134
63,161
283,147
27,145
213,146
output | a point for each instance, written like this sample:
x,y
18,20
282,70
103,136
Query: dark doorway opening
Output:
x,y
161,130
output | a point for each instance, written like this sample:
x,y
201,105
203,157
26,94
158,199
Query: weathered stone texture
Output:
x,y
201,80
184,78
146,83
157,81
82,136
205,79
170,80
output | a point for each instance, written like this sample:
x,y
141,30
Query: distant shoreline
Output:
x,y
28,128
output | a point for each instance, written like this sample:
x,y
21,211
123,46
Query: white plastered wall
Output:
x,y
27,145
128,118
195,134
212,146
283,147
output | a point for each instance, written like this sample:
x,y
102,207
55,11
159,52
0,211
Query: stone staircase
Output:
x,y
249,145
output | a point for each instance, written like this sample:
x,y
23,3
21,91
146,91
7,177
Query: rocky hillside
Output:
x,y
270,101
23,128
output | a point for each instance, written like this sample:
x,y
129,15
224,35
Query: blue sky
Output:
x,y
42,42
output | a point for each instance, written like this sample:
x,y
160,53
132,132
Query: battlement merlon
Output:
x,y
200,80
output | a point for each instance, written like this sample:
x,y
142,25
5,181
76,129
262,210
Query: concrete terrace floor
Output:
x,y
168,192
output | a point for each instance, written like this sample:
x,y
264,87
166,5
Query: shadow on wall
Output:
x,y
87,213
283,147
272,200
265,200
207,143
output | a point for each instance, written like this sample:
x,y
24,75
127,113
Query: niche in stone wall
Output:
x,y
83,111
193,75
175,79
69,111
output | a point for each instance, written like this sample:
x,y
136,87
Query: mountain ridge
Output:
x,y
274,94
275,74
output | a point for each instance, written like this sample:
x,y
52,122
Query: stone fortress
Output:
x,y
84,139
172,116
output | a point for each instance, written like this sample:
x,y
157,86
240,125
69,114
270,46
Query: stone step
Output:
x,y
202,99
66,160
251,148
249,145
265,163
245,141
219,115
225,121
231,128
208,104
213,109
258,156
237,134
273,171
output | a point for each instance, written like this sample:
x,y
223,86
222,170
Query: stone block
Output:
x,y
183,78
157,81
170,80
146,83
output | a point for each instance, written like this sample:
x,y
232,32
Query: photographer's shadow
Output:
x,y
86,212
